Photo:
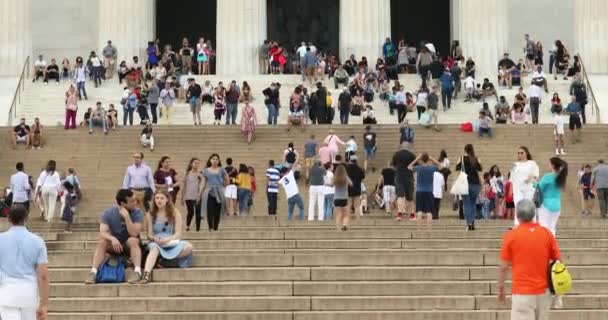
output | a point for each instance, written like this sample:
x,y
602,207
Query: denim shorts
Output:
x,y
370,153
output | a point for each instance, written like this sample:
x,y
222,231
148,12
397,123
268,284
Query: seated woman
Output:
x,y
296,114
147,139
164,230
122,71
358,102
368,115
66,69
517,114
87,118
112,115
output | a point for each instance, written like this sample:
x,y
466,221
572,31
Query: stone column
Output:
x,y
129,24
15,36
364,25
591,34
241,30
483,32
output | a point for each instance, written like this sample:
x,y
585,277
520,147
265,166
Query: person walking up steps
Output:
x,y
292,193
272,188
550,186
341,184
316,192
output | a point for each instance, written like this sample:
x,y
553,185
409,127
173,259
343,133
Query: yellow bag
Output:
x,y
328,101
560,280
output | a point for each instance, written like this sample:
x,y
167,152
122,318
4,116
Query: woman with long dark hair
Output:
x,y
471,166
191,192
213,201
47,187
164,232
165,178
523,175
551,186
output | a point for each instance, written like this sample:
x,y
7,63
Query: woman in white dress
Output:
x,y
523,175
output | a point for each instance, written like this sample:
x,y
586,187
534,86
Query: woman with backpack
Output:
x,y
290,156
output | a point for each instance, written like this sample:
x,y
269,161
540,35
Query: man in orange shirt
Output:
x,y
528,249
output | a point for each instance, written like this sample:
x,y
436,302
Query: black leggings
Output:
x,y
218,114
401,113
193,208
214,211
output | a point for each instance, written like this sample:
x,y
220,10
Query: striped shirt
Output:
x,y
273,176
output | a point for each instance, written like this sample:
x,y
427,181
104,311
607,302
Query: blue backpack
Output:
x,y
112,270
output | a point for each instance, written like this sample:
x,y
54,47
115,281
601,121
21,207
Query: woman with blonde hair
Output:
x,y
341,183
164,232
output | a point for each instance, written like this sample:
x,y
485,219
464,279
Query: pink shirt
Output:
x,y
324,155
333,141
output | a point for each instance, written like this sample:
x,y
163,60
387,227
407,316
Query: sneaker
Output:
x,y
412,217
557,152
563,152
134,278
399,216
91,278
558,303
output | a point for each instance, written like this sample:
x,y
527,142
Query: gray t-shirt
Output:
x,y
115,222
264,51
600,174
153,94
310,149
341,192
214,179
433,101
317,173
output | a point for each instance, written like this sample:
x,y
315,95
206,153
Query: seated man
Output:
x,y
21,134
52,72
37,138
502,110
469,87
147,139
540,79
98,118
488,89
119,235
506,67
39,68
368,115
340,76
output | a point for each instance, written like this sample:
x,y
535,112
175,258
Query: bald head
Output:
x,y
526,211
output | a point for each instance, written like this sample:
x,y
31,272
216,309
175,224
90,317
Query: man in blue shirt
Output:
x,y
390,52
24,276
119,234
447,88
574,109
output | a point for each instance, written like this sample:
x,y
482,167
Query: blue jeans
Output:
x,y
243,196
127,112
273,114
344,113
329,206
81,90
487,131
103,123
485,209
291,203
470,203
302,68
231,112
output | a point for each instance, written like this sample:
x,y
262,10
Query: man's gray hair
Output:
x,y
526,211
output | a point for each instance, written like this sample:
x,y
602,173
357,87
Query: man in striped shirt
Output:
x,y
272,190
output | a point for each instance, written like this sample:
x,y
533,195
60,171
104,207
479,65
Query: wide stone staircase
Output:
x,y
259,268
47,101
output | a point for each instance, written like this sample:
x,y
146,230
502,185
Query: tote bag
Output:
x,y
460,187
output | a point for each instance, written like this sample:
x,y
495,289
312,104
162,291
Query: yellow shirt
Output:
x,y
243,181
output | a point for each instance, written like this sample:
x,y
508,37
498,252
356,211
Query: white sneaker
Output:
x,y
557,152
563,152
558,303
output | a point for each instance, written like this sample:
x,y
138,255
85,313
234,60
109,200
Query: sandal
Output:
x,y
146,278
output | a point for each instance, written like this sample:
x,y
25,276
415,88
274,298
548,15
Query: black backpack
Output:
x,y
291,156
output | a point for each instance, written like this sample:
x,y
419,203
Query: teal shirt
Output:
x,y
551,192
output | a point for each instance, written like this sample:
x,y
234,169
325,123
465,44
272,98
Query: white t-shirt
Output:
x,y
520,172
351,145
289,184
328,180
438,185
96,62
40,64
558,122
469,83
302,51
422,99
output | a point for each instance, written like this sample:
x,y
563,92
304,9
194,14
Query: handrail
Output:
x,y
595,109
12,111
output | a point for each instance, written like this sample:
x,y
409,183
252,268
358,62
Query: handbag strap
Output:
x,y
462,164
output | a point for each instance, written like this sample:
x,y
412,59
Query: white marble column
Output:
x,y
591,34
129,24
15,36
483,33
241,29
364,26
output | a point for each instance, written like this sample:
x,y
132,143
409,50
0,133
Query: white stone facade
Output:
x,y
67,28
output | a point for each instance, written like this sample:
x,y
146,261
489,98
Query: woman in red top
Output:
x,y
165,178
556,103
509,204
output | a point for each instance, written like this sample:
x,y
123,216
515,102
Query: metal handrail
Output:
x,y
595,109
12,111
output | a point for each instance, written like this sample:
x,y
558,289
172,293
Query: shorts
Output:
x,y
308,162
230,192
274,64
588,194
340,203
558,132
370,153
22,139
575,122
354,191
424,202
208,99
388,194
530,56
510,205
404,187
195,106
